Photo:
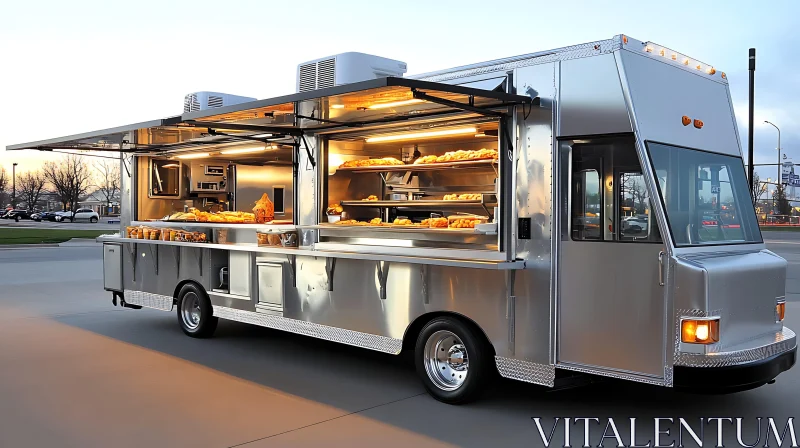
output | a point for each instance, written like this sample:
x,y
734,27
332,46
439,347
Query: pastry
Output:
x,y
264,211
371,197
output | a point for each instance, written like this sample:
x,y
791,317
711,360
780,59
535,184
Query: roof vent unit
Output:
x,y
345,68
194,102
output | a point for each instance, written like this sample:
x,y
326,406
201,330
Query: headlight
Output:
x,y
700,330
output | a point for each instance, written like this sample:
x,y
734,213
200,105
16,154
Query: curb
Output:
x,y
75,242
25,246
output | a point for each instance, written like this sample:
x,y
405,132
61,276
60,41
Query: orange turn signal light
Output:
x,y
700,331
780,311
698,123
686,120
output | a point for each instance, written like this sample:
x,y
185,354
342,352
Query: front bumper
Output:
x,y
738,370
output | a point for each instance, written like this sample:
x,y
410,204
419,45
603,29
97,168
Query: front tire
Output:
x,y
93,219
453,361
16,218
195,315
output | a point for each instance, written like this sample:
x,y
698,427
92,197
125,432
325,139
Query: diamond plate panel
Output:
x,y
784,340
618,375
149,300
572,52
529,372
356,338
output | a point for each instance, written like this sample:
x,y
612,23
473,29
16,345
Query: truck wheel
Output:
x,y
453,361
195,314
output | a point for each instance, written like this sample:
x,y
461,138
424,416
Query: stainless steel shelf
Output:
x,y
482,163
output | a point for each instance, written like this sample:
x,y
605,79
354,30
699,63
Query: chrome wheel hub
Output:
x,y
190,311
446,360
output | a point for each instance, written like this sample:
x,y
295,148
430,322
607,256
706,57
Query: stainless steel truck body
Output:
x,y
619,238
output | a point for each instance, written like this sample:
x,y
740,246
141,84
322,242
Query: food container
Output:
x,y
165,234
334,218
465,221
222,236
288,238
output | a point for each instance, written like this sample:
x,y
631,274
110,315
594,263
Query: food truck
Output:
x,y
582,211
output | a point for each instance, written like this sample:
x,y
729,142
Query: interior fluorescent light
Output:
x,y
395,104
337,106
417,135
262,135
171,165
246,150
480,134
197,155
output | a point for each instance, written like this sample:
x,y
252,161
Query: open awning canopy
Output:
x,y
287,118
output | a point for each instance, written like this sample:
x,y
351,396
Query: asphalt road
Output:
x,y
78,225
77,372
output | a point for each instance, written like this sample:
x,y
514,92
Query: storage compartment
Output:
x,y
270,286
112,267
239,273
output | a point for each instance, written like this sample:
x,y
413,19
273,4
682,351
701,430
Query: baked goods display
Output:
x,y
282,238
460,155
463,197
386,161
264,210
165,234
334,210
464,223
371,197
195,215
402,222
435,223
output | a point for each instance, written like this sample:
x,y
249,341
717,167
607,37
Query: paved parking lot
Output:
x,y
77,372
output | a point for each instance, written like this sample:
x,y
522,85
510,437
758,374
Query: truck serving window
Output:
x,y
705,196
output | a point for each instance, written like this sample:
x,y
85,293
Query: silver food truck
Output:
x,y
582,210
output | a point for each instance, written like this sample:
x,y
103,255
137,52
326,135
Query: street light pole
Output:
x,y
14,186
780,165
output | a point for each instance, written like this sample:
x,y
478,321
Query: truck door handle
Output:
x,y
661,268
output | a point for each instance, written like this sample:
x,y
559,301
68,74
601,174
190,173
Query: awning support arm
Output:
x,y
246,127
308,151
455,104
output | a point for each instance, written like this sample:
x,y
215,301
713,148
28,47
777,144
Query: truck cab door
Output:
x,y
610,301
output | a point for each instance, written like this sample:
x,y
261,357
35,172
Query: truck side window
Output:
x,y
634,212
586,206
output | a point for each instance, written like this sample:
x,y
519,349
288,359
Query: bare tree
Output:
x,y
29,188
759,188
3,188
70,178
108,181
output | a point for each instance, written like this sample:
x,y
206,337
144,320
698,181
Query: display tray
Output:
x,y
221,225
416,203
479,163
390,228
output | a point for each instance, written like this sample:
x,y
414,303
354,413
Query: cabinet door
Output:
x,y
112,267
270,284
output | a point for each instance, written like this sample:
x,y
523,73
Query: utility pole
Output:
x,y
14,186
750,127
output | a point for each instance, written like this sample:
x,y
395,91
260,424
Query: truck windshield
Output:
x,y
705,196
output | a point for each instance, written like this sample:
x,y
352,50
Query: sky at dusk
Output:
x,y
77,66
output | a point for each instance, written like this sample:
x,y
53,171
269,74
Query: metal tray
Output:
x,y
479,163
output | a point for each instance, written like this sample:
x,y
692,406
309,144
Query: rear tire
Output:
x,y
195,315
16,218
92,219
453,361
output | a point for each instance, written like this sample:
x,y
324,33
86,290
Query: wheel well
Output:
x,y
181,285
414,329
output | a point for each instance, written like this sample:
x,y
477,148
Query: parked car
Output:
x,y
44,216
634,224
81,214
16,215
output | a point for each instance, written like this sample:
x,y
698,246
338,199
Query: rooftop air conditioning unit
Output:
x,y
345,68
210,100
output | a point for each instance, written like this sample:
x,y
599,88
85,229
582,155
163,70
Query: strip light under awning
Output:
x,y
420,135
395,104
